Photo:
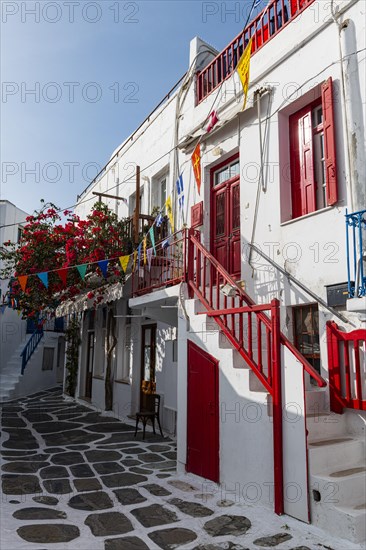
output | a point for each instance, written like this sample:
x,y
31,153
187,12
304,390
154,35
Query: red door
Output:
x,y
203,414
225,219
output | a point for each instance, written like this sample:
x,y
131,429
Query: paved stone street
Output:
x,y
74,479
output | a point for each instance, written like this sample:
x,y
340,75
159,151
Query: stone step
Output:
x,y
317,400
325,425
345,522
345,487
327,455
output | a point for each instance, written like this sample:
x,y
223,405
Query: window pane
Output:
x,y
222,175
220,214
234,169
306,329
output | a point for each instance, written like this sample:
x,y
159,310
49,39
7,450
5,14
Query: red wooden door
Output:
x,y
202,414
225,219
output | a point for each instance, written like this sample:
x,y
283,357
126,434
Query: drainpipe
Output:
x,y
347,110
354,113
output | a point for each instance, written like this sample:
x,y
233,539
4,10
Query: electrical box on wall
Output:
x,y
337,295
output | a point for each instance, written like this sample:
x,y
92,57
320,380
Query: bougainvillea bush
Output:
x,y
47,245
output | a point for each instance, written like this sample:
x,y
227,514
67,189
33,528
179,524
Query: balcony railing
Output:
x,y
167,268
145,222
356,253
277,15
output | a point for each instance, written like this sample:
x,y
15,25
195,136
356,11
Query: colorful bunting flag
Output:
x,y
144,249
23,281
103,264
134,260
243,69
165,243
149,257
180,191
44,278
123,260
196,163
169,211
62,273
152,238
82,270
159,219
212,122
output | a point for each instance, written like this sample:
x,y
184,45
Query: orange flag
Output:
x,y
196,163
23,281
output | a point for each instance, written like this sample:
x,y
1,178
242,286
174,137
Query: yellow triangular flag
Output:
x,y
169,211
123,260
243,69
144,249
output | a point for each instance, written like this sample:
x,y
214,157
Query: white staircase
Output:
x,y
10,375
336,443
337,472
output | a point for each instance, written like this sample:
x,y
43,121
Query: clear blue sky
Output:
x,y
138,48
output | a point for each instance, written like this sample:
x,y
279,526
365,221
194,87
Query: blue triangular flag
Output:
x,y
165,243
180,191
159,219
138,254
103,264
44,278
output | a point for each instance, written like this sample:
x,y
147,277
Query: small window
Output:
x,y
306,333
20,234
230,171
91,325
163,192
47,361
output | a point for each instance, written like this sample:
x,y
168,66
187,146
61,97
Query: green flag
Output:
x,y
152,238
82,270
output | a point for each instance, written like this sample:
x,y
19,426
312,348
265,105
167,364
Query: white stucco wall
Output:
x,y
12,328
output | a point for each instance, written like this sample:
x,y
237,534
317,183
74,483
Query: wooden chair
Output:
x,y
150,409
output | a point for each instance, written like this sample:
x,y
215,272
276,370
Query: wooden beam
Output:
x,y
108,196
137,208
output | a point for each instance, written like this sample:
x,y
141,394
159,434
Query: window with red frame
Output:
x,y
306,333
313,155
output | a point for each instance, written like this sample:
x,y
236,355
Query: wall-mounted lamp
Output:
x,y
228,290
217,152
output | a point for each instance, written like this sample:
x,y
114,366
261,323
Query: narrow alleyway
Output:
x,y
74,479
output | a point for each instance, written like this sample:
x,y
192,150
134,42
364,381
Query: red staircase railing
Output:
x,y
347,368
277,15
251,332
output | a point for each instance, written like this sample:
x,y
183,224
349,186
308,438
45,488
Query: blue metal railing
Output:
x,y
31,346
356,253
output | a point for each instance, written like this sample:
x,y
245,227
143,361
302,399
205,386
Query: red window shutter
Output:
x,y
295,166
308,190
303,191
329,142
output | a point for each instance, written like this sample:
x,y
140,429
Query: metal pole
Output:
x,y
277,408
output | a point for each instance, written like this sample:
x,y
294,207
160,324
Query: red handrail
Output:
x,y
277,15
347,380
250,303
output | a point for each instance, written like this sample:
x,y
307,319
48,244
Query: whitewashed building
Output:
x,y
251,321
30,361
